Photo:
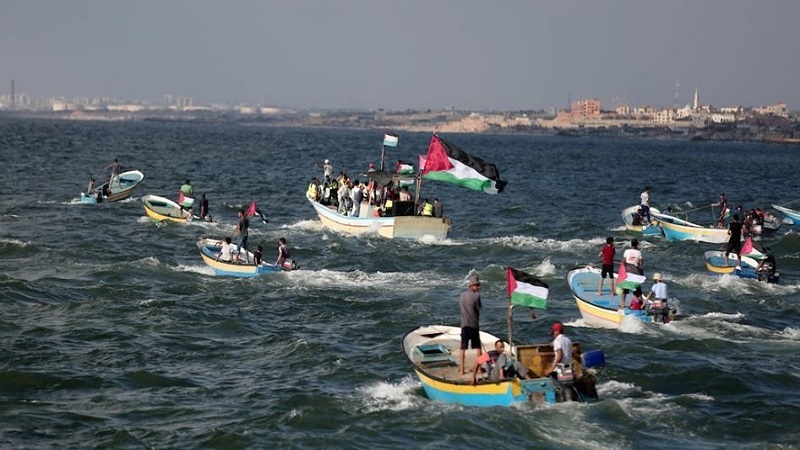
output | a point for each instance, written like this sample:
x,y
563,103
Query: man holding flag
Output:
x,y
631,270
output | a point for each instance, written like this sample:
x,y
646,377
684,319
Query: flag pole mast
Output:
x,y
383,156
510,314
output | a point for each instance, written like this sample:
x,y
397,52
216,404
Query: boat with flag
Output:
x,y
128,182
748,266
603,310
210,249
410,218
432,352
634,224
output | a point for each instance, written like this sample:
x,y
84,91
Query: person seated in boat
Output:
x,y
767,267
226,253
427,208
562,346
637,218
498,365
404,195
90,188
657,299
283,253
636,300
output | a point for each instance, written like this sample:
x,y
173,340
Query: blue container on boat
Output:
x,y
594,358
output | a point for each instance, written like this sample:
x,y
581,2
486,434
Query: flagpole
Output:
x,y
510,320
383,156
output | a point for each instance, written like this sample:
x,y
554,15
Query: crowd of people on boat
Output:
x,y
352,197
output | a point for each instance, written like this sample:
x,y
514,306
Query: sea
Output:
x,y
115,334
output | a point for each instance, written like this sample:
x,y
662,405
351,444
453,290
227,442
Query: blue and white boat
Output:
x,y
746,268
676,229
210,248
793,215
649,229
128,182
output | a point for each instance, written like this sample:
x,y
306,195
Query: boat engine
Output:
x,y
289,264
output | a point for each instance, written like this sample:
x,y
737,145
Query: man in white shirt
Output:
x,y
226,254
632,258
562,346
645,204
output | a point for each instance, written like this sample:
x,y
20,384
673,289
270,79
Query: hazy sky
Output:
x,y
399,54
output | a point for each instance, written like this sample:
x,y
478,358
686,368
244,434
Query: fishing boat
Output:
x,y
746,268
433,350
402,219
162,208
635,226
210,248
676,229
793,215
128,182
602,310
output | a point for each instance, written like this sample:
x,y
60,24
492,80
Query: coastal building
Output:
x,y
778,109
585,109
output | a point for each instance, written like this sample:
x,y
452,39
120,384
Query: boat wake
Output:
x,y
195,268
391,396
331,279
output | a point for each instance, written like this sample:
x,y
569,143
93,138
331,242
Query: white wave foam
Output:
x,y
388,396
195,268
331,279
148,261
15,242
791,333
304,225
549,245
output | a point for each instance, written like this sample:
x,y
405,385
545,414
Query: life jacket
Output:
x,y
427,210
389,203
312,191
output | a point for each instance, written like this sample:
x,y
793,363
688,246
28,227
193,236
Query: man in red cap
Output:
x,y
562,345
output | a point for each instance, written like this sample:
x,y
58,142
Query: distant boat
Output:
x,y
128,182
603,310
676,229
793,215
746,268
650,229
210,248
162,208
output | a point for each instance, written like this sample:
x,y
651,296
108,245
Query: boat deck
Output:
x,y
584,285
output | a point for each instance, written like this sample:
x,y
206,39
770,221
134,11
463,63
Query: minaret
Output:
x,y
677,102
696,104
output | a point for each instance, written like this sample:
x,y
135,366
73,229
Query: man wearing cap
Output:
x,y
327,167
658,296
470,303
562,346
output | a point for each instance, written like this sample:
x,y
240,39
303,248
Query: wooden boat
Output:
x,y
746,268
399,223
433,352
128,182
603,310
676,229
162,208
793,215
651,229
210,248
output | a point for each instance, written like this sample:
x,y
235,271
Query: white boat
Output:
x,y
128,182
161,208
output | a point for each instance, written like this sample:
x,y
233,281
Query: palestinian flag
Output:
x,y
253,210
627,280
390,140
447,162
749,250
404,168
526,290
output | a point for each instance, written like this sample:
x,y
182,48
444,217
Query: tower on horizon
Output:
x,y
696,102
677,102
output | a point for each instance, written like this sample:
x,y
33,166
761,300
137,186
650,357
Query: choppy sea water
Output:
x,y
114,334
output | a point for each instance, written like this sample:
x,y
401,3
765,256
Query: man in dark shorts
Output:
x,y
735,240
241,230
607,253
470,303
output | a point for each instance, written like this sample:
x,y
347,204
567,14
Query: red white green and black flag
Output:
x,y
525,289
627,280
449,163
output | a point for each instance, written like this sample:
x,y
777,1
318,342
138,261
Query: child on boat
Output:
x,y
636,301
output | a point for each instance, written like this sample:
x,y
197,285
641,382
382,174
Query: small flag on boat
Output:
x,y
627,280
449,163
526,290
181,197
253,210
403,167
749,250
390,140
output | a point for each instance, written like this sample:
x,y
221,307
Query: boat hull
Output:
x,y
399,227
793,215
160,209
681,230
128,182
653,229
210,248
600,311
747,268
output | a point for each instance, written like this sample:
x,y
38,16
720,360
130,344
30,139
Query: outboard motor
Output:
x,y
289,264
565,380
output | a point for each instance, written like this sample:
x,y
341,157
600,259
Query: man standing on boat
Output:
x,y
562,346
470,303
645,204
723,209
115,170
241,230
632,258
735,241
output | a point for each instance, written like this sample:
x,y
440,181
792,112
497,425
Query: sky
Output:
x,y
406,54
